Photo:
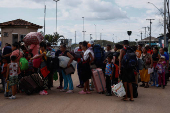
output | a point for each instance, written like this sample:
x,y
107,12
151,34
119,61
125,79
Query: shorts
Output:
x,y
13,80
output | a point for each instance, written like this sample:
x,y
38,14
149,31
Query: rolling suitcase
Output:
x,y
28,85
99,80
38,80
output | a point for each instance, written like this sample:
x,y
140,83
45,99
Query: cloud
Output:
x,y
90,9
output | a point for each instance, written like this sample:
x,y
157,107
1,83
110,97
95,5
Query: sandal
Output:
x,y
147,86
125,99
131,100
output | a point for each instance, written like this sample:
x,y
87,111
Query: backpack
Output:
x,y
23,63
98,55
129,60
52,61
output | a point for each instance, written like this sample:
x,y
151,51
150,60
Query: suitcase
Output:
x,y
38,80
28,85
99,80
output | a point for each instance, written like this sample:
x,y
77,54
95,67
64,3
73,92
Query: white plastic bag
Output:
x,y
150,70
119,90
63,61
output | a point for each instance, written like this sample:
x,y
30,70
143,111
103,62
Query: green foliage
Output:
x,y
53,38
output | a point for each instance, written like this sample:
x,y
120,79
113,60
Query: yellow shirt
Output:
x,y
45,52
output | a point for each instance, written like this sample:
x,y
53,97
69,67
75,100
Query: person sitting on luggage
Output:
x,y
109,74
42,55
4,71
30,64
12,73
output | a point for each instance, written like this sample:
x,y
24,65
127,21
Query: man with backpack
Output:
x,y
49,65
127,63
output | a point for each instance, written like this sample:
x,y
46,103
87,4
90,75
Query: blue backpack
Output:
x,y
129,60
98,55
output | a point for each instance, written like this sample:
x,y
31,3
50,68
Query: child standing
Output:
x,y
12,73
109,74
161,71
4,71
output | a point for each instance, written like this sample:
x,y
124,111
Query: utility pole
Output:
x,y
165,41
44,18
90,36
150,30
145,30
100,36
83,30
95,31
56,13
75,37
141,35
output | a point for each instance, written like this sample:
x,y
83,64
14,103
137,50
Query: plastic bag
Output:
x,y
55,76
63,61
119,89
150,70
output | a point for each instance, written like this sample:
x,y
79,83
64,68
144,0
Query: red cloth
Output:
x,y
150,51
45,71
79,59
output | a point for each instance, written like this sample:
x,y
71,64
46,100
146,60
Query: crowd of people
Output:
x,y
129,64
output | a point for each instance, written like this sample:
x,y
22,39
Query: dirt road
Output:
x,y
151,100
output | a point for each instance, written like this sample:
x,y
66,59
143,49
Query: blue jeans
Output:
x,y
155,77
81,82
67,79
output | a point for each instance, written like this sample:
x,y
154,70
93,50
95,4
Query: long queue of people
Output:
x,y
124,63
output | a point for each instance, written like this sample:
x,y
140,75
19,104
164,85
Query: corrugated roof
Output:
x,y
19,22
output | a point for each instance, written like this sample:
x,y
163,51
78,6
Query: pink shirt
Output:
x,y
18,54
34,48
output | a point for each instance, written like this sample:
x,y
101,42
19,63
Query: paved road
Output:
x,y
151,100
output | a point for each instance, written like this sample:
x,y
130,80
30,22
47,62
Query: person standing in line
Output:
x,y
81,85
161,50
127,75
145,77
42,55
109,70
161,66
12,74
59,71
85,68
67,78
154,61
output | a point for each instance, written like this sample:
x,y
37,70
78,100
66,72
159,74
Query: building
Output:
x,y
15,30
161,40
154,41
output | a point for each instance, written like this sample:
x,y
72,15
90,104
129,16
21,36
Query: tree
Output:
x,y
53,38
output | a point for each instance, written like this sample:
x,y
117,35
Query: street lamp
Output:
x,y
155,7
56,13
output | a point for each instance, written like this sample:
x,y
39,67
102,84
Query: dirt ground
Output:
x,y
151,100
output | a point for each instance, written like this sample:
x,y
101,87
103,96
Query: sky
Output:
x,y
113,18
